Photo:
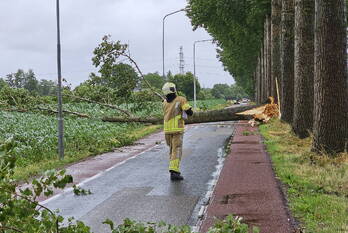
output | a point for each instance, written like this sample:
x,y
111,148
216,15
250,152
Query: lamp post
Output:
x,y
59,91
172,13
194,71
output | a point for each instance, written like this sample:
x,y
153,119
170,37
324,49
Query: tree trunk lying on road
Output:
x,y
227,114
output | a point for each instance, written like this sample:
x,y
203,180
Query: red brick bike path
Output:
x,y
247,187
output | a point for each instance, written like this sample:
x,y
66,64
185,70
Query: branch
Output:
x,y
65,111
134,119
142,76
41,207
10,228
37,204
95,102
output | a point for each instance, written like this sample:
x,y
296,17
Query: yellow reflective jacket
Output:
x,y
173,115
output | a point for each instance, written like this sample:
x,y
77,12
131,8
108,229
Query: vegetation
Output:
x,y
316,185
237,27
184,83
269,45
224,91
33,131
35,141
28,81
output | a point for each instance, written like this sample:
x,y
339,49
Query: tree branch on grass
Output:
x,y
102,104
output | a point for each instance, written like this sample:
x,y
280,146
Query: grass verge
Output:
x,y
22,173
317,186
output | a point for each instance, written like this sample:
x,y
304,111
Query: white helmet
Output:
x,y
168,88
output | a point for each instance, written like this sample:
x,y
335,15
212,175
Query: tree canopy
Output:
x,y
184,83
237,28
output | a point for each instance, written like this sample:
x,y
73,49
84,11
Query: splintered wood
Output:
x,y
262,114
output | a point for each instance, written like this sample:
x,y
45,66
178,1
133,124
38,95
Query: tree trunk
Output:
x,y
287,60
275,45
262,74
269,57
256,84
265,58
259,80
330,81
227,114
304,67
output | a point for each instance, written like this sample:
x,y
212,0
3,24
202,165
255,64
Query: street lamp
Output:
x,y
59,91
194,71
172,13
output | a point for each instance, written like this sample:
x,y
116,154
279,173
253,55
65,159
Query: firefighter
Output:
x,y
176,109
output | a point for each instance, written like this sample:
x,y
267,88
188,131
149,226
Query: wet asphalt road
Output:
x,y
140,188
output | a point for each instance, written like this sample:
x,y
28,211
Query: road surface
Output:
x,y
140,188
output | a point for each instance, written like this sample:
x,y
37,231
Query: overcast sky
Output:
x,y
28,37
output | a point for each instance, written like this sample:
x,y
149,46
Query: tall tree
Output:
x,y
154,79
275,43
269,55
16,80
30,82
287,60
304,67
265,58
237,27
184,83
47,87
330,81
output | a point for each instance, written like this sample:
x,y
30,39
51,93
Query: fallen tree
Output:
x,y
227,114
102,104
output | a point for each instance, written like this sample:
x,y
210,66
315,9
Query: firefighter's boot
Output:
x,y
175,176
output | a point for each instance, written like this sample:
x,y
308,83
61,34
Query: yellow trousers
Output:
x,y
174,141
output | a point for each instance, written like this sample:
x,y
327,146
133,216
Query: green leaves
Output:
x,y
237,26
20,210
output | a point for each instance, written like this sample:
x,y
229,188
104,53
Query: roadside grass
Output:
x,y
34,169
316,185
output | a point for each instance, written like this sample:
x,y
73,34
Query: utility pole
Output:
x,y
59,91
182,61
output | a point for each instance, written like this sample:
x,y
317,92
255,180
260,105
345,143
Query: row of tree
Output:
x,y
121,84
291,49
28,81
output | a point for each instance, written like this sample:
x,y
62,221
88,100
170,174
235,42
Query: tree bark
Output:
x,y
330,81
262,74
304,67
227,114
257,86
269,57
259,79
275,44
287,60
265,59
